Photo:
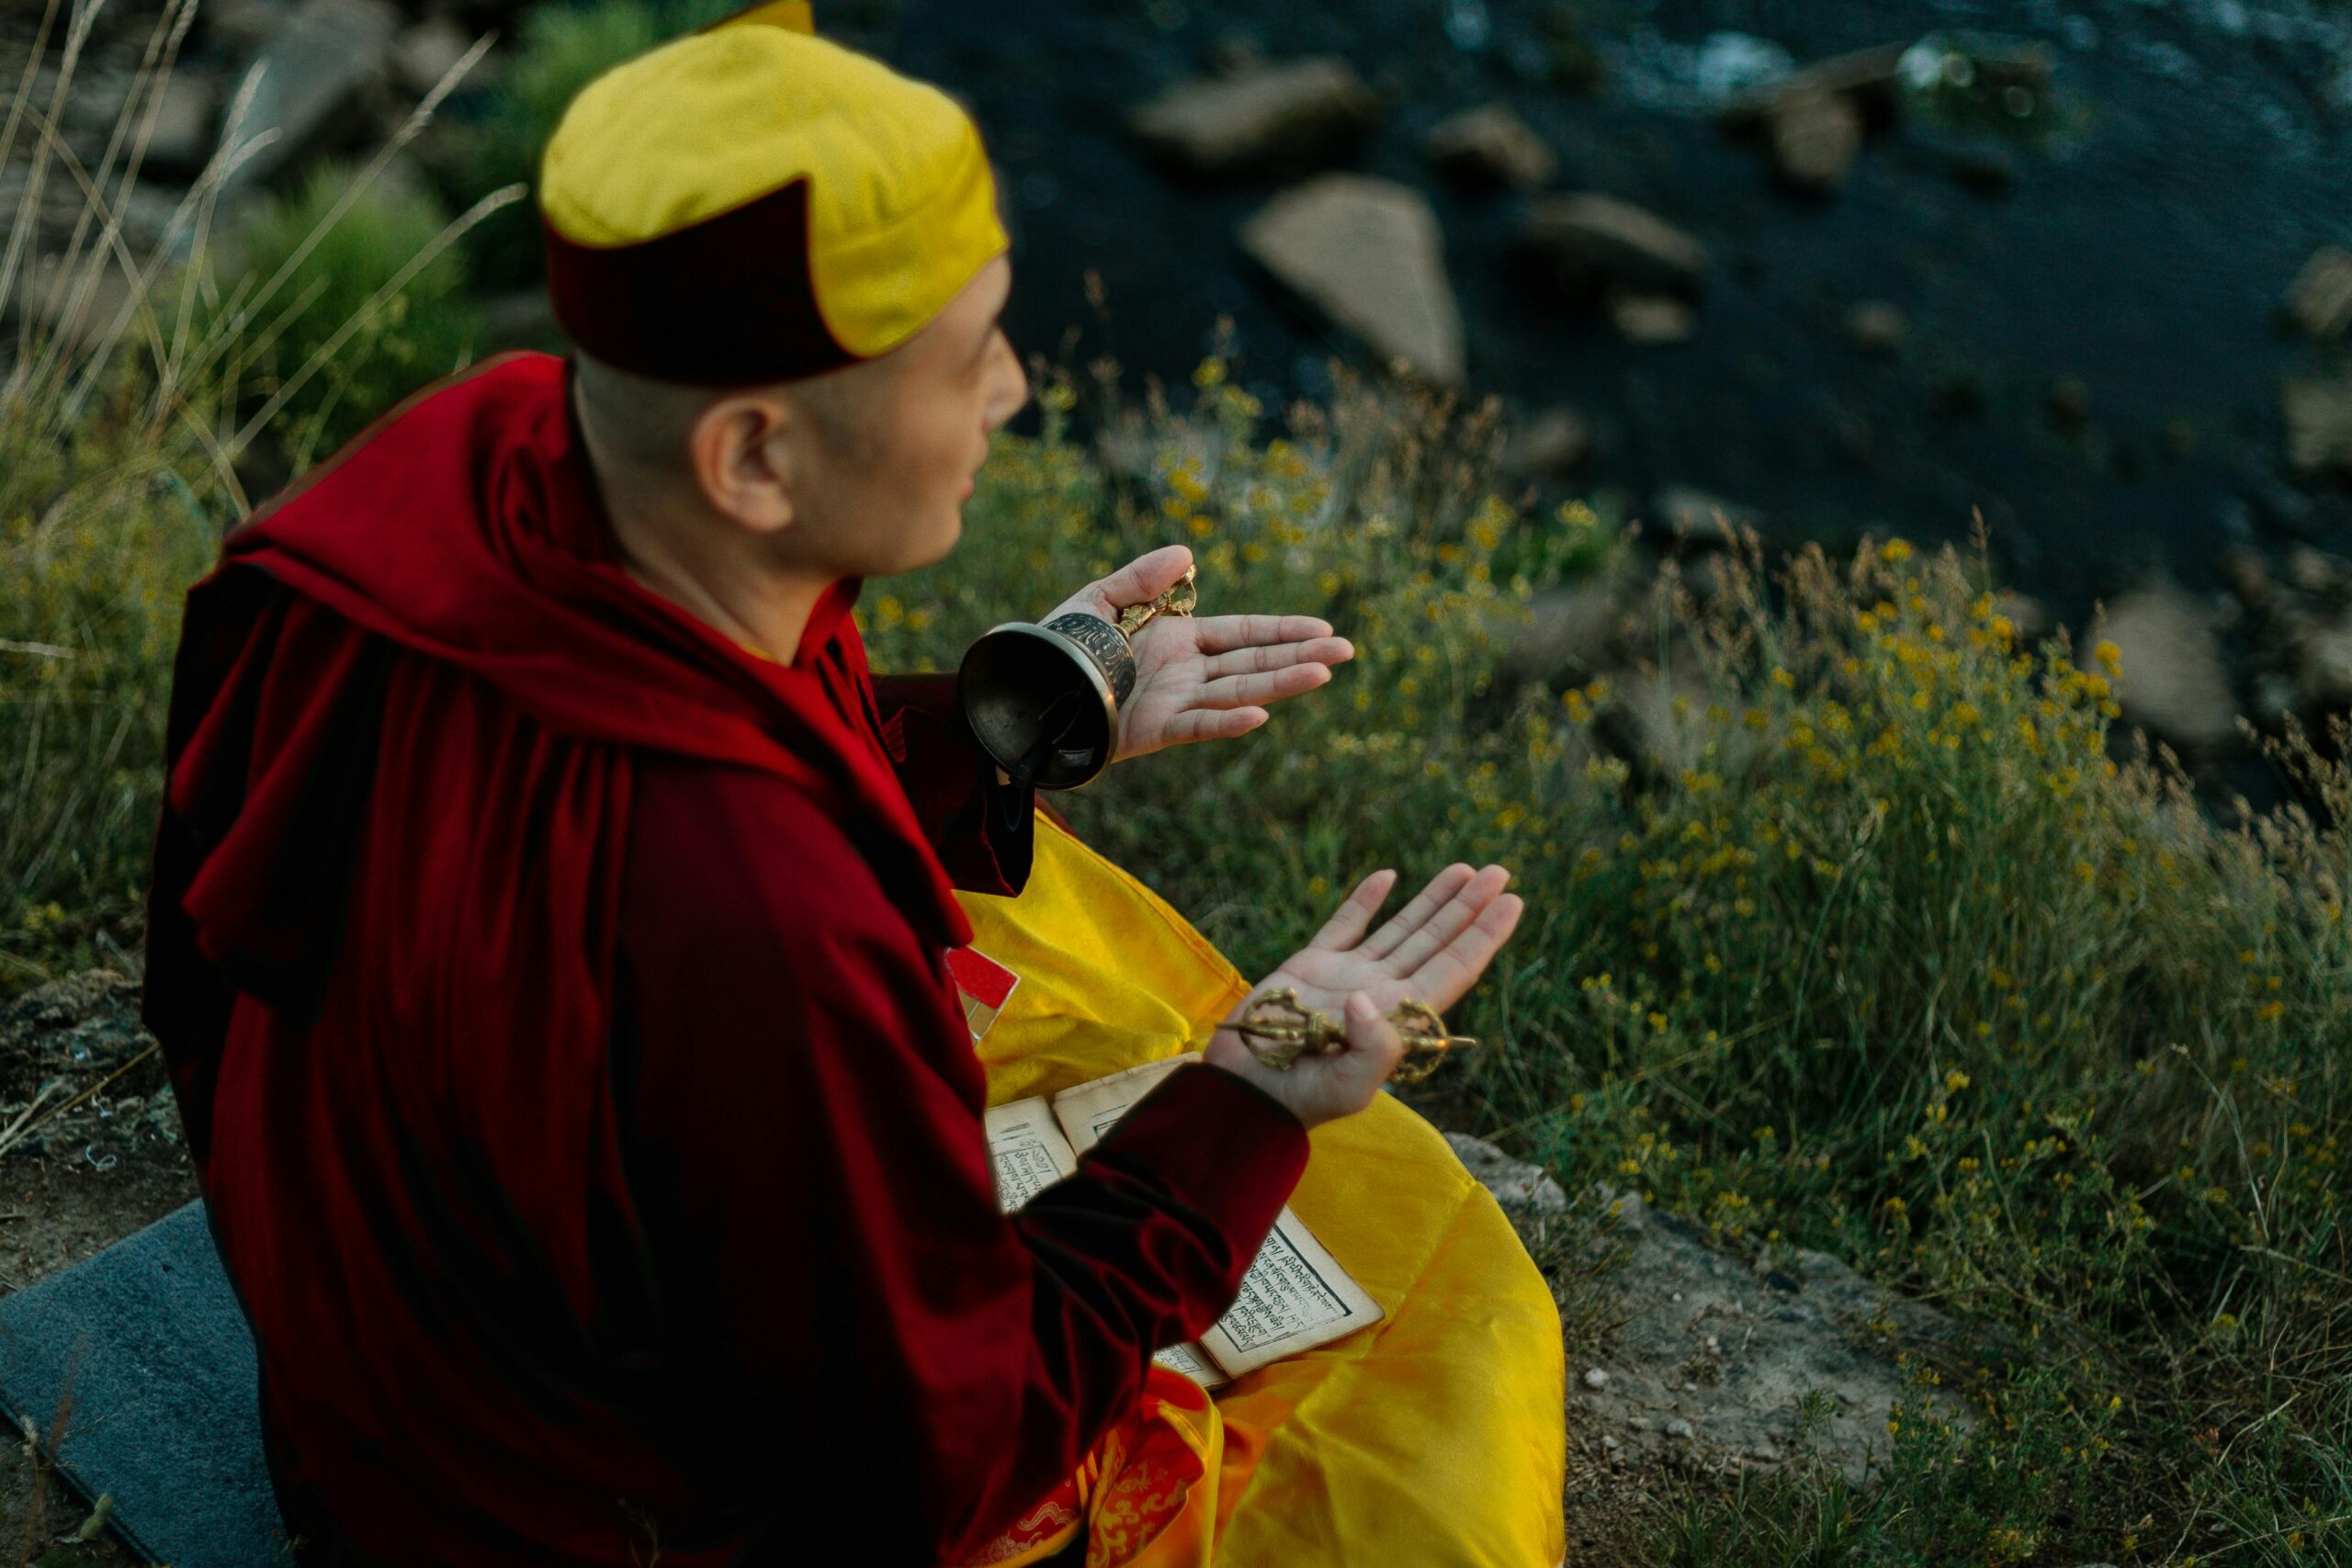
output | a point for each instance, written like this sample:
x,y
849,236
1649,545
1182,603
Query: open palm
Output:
x,y
1432,951
1208,677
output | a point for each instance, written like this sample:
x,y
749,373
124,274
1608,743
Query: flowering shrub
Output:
x,y
1885,943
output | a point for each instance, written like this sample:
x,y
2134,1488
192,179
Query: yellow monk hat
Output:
x,y
751,203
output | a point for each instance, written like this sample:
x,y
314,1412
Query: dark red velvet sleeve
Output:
x,y
983,830
845,1312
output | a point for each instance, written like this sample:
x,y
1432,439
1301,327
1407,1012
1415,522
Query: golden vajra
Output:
x,y
1178,599
1279,1031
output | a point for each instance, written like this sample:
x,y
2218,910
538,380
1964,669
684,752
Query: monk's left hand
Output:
x,y
1204,677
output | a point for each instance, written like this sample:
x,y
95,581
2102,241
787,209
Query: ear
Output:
x,y
742,462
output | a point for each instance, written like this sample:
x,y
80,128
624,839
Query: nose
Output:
x,y
1010,392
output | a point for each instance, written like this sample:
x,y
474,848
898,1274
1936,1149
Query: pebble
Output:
x,y
1595,1379
1679,1427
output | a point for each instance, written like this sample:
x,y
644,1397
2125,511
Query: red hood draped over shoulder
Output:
x,y
464,526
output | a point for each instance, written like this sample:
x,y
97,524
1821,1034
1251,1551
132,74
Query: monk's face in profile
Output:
x,y
890,488
859,472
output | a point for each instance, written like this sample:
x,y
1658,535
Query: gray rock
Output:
x,y
1815,136
2320,302
1296,112
2275,697
1713,1355
2319,574
426,52
1552,444
186,124
244,26
1688,512
2068,402
2318,412
1590,240
2173,682
2324,663
1652,318
1876,326
1490,145
316,69
1523,1189
1665,710
2029,616
1869,77
1572,629
2248,577
1367,252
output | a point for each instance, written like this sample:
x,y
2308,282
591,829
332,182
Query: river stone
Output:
x,y
1876,326
1664,727
1589,240
1705,520
1294,112
1552,444
2319,574
1867,77
1366,251
1490,145
2173,682
1652,318
1816,138
183,139
1571,628
2320,302
2029,617
1523,1189
316,68
428,51
2318,412
2323,665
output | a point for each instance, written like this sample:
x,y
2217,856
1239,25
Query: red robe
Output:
x,y
556,998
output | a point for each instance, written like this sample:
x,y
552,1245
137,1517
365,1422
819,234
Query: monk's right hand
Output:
x,y
1433,950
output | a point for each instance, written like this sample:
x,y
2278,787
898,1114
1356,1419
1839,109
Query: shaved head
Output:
x,y
646,426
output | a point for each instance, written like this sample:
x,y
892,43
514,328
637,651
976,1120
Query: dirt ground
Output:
x,y
90,1152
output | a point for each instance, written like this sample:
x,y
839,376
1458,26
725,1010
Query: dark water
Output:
x,y
2145,251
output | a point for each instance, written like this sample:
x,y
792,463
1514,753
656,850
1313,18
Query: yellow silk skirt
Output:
x,y
1434,1439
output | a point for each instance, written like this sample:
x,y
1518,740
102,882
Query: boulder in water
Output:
x,y
1815,136
1590,241
1368,253
2171,679
2320,302
1552,444
1292,113
1490,146
2318,410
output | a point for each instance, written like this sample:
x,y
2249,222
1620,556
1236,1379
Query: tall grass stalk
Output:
x,y
120,443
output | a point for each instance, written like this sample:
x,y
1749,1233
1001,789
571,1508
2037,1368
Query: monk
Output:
x,y
551,913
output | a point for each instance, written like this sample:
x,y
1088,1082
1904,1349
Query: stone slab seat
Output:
x,y
165,1413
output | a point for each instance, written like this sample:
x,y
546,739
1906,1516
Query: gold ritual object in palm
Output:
x,y
1279,1031
1178,599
